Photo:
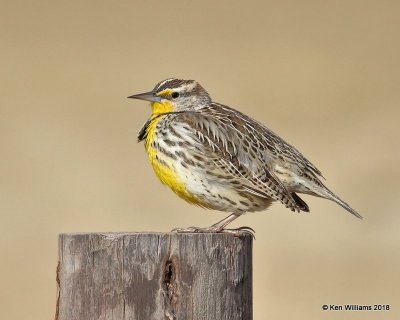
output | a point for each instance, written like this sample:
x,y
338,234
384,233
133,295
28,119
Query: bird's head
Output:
x,y
175,95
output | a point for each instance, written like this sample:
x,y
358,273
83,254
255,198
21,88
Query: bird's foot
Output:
x,y
239,232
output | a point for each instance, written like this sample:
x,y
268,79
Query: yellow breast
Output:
x,y
165,167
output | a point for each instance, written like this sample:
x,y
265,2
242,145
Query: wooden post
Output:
x,y
154,276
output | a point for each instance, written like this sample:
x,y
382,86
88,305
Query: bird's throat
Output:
x,y
161,108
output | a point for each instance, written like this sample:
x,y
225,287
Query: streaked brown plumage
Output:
x,y
219,158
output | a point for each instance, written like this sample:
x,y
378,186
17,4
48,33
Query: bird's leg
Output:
x,y
219,227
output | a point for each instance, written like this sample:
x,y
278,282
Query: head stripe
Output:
x,y
172,84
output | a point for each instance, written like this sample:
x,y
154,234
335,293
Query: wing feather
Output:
x,y
237,153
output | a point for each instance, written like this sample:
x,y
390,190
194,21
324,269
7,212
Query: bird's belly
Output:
x,y
168,175
176,168
221,194
196,187
199,187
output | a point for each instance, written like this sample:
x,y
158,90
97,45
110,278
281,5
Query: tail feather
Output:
x,y
300,202
328,194
344,205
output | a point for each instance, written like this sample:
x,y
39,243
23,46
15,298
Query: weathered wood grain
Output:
x,y
146,276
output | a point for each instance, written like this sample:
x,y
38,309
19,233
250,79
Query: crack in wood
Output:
x,y
169,287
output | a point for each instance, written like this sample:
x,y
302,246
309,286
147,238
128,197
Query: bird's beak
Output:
x,y
148,96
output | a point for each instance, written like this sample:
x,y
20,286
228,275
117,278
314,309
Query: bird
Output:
x,y
218,158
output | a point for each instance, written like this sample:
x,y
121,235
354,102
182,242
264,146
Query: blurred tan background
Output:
x,y
323,74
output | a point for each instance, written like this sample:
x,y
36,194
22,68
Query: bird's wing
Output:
x,y
220,140
274,146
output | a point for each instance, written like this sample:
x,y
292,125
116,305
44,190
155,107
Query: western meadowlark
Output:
x,y
218,158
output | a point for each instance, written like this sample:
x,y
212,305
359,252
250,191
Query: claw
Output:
x,y
246,230
239,232
186,230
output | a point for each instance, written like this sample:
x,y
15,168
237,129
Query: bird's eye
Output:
x,y
175,95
